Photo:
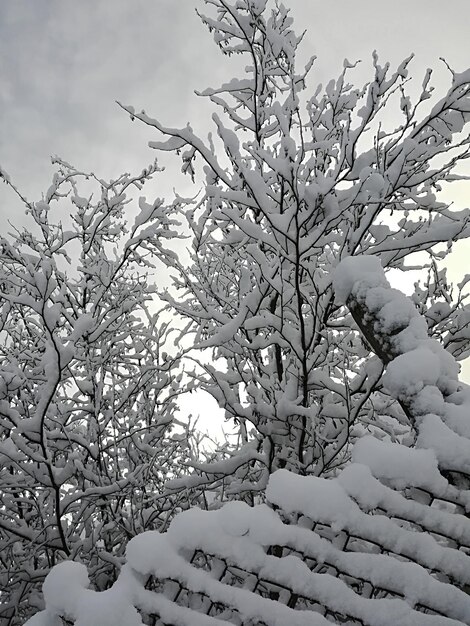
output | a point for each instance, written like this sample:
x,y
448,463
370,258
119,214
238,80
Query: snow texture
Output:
x,y
385,543
241,538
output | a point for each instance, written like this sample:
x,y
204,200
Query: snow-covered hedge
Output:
x,y
385,543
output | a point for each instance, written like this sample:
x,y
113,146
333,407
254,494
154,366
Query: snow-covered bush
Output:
x,y
87,396
295,179
385,543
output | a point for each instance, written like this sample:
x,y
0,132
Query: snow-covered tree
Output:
x,y
296,180
87,396
353,440
385,543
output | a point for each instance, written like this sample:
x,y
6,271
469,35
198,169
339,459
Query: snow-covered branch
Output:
x,y
420,373
87,396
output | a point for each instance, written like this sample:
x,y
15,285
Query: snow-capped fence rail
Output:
x,y
385,543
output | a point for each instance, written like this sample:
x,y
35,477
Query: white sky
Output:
x,y
63,64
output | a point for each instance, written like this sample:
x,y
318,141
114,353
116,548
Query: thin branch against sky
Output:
x,y
64,64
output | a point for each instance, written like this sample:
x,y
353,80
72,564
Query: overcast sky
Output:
x,y
63,63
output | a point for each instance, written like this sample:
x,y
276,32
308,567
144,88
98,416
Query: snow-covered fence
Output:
x,y
385,543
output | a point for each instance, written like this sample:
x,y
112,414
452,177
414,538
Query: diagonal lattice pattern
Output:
x,y
359,549
385,543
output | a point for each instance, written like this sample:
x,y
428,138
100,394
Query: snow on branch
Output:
x,y
420,373
348,550
383,540
294,177
385,543
87,397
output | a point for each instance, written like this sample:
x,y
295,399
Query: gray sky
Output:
x,y
63,64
